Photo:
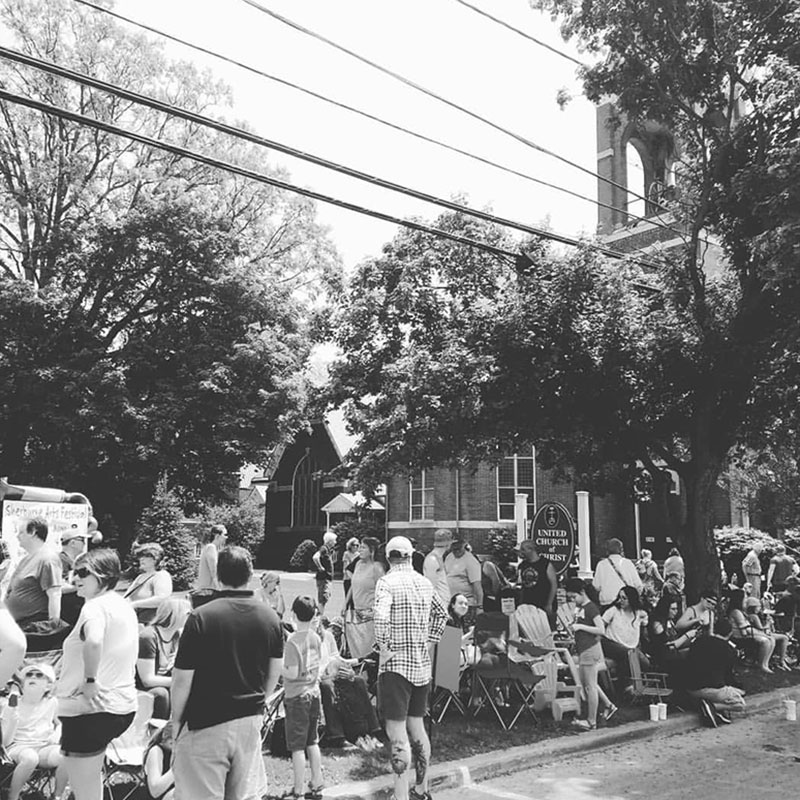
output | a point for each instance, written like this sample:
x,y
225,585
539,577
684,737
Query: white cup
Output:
x,y
654,712
662,710
790,706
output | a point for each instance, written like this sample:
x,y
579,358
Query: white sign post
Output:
x,y
60,518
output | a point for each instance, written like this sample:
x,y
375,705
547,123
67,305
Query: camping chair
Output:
x,y
124,761
42,782
646,684
497,674
273,711
447,673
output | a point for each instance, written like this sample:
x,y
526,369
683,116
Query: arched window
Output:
x,y
305,493
635,180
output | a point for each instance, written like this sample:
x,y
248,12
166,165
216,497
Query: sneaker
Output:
x,y
723,716
413,794
583,724
609,712
708,715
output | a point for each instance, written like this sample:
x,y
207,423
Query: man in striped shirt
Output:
x,y
409,619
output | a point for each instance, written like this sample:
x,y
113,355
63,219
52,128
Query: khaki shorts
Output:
x,y
222,762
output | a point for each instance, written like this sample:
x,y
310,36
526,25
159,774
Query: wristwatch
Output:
x,y
90,680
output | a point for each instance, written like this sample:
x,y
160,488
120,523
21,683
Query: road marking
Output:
x,y
475,787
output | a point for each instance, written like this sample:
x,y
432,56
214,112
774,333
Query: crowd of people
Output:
x,y
211,668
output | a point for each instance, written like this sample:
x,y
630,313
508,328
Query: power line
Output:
x,y
183,152
521,33
430,93
525,176
167,108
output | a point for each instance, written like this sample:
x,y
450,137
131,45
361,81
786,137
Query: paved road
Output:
x,y
756,758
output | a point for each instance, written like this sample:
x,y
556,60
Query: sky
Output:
x,y
439,44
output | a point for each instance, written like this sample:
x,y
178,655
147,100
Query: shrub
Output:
x,y
301,558
160,522
733,544
244,522
501,543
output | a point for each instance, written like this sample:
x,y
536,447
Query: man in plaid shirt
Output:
x,y
409,620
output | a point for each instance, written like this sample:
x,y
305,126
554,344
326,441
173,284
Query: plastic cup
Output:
x,y
790,706
654,712
662,711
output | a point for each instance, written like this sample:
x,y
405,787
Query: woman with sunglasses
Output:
x,y
96,692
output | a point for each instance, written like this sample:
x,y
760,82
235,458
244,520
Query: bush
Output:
x,y
733,544
160,522
348,528
244,522
301,558
501,543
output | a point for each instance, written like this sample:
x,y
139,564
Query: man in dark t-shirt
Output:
x,y
229,659
537,578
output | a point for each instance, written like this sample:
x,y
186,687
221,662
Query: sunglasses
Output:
x,y
84,572
34,673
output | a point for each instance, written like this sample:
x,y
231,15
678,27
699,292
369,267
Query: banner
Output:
x,y
60,517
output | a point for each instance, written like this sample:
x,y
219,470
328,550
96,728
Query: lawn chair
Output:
x,y
496,675
42,782
646,685
124,761
447,674
273,711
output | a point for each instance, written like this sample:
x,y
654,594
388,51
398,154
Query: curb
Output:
x,y
453,774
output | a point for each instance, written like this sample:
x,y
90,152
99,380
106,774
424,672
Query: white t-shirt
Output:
x,y
116,671
624,627
433,570
207,568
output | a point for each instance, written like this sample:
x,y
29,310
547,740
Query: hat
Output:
x,y
443,536
399,544
45,669
525,547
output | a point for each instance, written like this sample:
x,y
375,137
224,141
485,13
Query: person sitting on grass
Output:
x,y
31,730
709,675
743,631
301,677
587,629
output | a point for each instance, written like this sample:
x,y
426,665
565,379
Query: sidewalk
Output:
x,y
454,774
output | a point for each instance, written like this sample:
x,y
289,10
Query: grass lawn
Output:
x,y
458,737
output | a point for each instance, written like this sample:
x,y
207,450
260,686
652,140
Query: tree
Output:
x,y
243,521
161,523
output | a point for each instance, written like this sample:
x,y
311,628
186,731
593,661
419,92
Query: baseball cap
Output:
x,y
399,544
45,669
443,536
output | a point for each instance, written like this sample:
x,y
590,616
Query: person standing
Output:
x,y
409,619
751,567
73,546
537,579
34,591
207,565
12,645
230,656
781,566
614,572
433,566
323,569
152,585
464,576
360,628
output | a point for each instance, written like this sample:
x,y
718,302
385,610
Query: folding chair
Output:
x,y
646,684
124,761
447,672
496,671
42,782
273,711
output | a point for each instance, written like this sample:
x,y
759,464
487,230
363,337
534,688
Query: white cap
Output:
x,y
399,544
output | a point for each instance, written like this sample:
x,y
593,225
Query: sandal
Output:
x,y
291,794
314,793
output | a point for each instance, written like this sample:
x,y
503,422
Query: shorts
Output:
x,y
302,721
399,699
594,655
44,749
89,734
323,592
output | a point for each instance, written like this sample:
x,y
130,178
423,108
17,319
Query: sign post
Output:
x,y
553,531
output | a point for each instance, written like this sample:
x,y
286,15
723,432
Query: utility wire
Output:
x,y
199,48
430,93
229,130
521,33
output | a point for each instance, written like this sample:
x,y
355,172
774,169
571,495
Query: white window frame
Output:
x,y
529,490
427,491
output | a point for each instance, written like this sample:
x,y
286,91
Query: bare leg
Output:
x,y
400,756
588,675
27,760
420,752
315,762
299,769
85,776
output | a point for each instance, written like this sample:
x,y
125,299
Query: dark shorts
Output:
x,y
302,721
323,592
399,699
89,734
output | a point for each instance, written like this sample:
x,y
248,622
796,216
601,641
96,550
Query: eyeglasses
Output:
x,y
84,572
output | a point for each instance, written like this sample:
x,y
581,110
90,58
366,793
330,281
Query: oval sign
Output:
x,y
553,531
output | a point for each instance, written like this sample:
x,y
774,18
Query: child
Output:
x,y
158,762
301,675
588,628
30,729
